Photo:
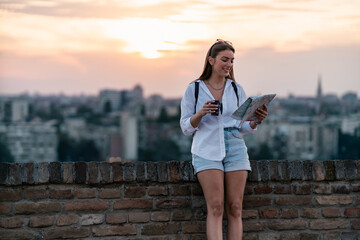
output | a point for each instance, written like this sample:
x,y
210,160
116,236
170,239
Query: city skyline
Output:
x,y
84,46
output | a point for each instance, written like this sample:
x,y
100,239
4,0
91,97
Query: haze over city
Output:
x,y
83,46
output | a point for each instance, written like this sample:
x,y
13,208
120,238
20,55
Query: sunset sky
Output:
x,y
83,46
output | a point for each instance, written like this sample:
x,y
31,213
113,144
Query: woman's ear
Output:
x,y
211,60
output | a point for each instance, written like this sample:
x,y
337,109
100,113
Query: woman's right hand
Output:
x,y
208,107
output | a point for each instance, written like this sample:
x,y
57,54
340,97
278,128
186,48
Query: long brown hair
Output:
x,y
213,52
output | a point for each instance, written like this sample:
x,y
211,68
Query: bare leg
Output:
x,y
212,183
235,185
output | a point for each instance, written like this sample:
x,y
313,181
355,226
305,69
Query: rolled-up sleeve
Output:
x,y
187,111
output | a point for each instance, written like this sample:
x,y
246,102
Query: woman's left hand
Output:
x,y
261,113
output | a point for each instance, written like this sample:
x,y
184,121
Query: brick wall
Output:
x,y
158,201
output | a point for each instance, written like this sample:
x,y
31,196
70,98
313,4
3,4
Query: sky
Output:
x,y
83,46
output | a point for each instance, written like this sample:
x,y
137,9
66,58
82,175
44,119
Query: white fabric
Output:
x,y
208,140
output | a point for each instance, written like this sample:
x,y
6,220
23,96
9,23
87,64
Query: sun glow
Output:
x,y
152,37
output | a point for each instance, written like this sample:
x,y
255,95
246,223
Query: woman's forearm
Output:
x,y
195,120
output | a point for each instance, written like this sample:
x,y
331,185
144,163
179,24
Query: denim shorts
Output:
x,y
236,156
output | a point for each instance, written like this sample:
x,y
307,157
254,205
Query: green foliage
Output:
x,y
70,150
263,153
5,154
349,146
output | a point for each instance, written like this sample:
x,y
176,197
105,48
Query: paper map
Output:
x,y
246,112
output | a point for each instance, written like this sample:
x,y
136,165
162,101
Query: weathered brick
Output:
x,y
330,235
352,212
129,172
268,213
274,171
282,189
350,236
248,190
10,195
173,203
289,213
263,189
151,173
80,172
311,213
249,236
329,168
5,208
60,194
15,174
66,220
308,170
42,207
121,230
160,216
322,189
341,189
140,171
331,212
133,204
28,176
17,234
196,189
296,170
194,227
12,222
68,172
248,214
34,194
4,172
350,169
41,221
180,190
185,170
66,233
263,167
290,236
116,218
105,172
294,201
198,202
174,168
117,171
55,172
251,202
94,172
86,206
254,226
85,193
309,236
339,169
294,224
182,215
284,170
158,191
134,192
334,200
92,219
319,171
199,214
139,217
254,175
268,236
43,172
162,171
327,224
302,189
355,224
109,193
161,229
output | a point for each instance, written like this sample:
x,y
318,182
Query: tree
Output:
x,y
263,153
166,150
163,116
107,107
5,154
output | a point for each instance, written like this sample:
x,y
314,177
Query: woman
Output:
x,y
219,153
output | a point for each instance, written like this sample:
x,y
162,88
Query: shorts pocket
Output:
x,y
236,133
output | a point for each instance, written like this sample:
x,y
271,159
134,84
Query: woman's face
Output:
x,y
222,63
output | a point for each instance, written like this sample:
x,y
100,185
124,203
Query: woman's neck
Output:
x,y
216,80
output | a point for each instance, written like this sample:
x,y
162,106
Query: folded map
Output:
x,y
246,112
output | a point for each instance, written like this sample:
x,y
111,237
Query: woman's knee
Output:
x,y
234,209
216,208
